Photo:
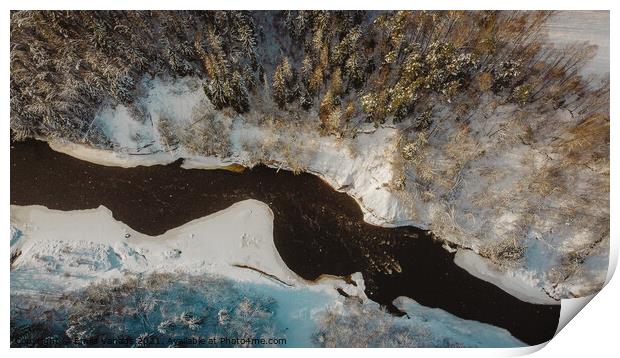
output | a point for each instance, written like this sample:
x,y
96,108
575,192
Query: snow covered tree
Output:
x,y
283,83
64,65
327,105
240,100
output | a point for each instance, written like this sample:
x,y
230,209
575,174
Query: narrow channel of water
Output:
x,y
317,230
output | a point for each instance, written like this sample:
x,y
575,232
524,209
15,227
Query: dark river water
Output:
x,y
317,230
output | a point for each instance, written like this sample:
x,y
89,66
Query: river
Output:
x,y
317,230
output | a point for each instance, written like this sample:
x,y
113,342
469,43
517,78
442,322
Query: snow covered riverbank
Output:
x,y
515,282
56,252
89,243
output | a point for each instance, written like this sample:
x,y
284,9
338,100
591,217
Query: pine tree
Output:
x,y
327,106
282,83
240,101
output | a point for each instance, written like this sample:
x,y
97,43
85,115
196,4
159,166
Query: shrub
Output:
x,y
153,311
361,325
505,252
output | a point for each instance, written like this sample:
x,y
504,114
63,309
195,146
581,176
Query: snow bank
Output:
x,y
519,283
364,324
87,244
65,251
469,333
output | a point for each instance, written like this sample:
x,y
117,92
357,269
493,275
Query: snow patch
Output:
x,y
519,283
